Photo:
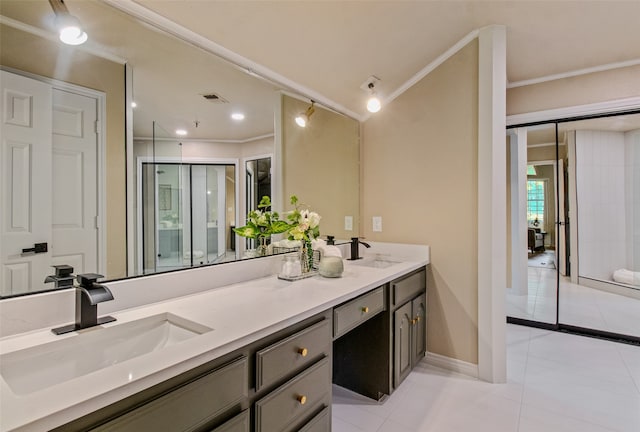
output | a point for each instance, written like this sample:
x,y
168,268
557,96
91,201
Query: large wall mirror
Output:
x,y
149,199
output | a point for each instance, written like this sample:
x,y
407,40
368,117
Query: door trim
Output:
x,y
101,106
552,115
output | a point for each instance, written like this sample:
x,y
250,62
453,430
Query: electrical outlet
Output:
x,y
348,223
377,223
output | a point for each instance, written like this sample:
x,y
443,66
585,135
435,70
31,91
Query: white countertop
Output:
x,y
238,314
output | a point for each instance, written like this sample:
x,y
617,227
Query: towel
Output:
x,y
627,277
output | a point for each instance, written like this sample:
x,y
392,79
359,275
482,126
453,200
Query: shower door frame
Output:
x,y
557,116
182,161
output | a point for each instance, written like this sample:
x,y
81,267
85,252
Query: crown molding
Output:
x,y
577,72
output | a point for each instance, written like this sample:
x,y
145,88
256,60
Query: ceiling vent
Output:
x,y
214,98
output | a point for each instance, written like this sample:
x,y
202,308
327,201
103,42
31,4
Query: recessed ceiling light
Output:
x,y
133,104
237,116
181,132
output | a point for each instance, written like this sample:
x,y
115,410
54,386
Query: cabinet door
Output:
x,y
419,331
401,343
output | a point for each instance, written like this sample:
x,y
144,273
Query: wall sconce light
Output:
x,y
303,118
373,104
68,26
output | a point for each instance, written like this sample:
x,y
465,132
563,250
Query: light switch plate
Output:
x,y
377,223
348,223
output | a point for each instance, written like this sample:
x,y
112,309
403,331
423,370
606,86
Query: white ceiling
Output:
x,y
329,48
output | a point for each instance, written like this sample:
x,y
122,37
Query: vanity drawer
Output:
x,y
320,423
190,406
292,353
357,311
408,287
295,399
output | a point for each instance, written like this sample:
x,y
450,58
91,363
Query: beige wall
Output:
x,y
30,53
420,175
580,90
321,165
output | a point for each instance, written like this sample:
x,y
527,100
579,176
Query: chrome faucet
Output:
x,y
88,295
355,248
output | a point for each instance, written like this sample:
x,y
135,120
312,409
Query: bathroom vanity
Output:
x,y
259,355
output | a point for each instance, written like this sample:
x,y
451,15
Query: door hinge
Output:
x,y
97,125
97,222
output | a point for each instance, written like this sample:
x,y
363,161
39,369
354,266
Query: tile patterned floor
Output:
x,y
556,383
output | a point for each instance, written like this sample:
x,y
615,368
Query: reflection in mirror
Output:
x,y
605,154
186,207
583,224
177,85
258,185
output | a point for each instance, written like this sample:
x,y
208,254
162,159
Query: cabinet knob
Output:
x,y
414,321
303,352
418,318
302,399
365,309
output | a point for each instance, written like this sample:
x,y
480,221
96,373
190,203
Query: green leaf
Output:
x,y
294,200
265,202
278,227
246,231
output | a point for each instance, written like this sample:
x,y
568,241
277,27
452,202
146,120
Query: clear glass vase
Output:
x,y
262,248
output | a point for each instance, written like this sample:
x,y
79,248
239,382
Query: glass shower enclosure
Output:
x,y
183,209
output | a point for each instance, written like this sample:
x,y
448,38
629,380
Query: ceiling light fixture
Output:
x,y
68,26
373,104
303,118
237,116
181,132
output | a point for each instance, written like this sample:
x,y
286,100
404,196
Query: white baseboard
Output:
x,y
455,365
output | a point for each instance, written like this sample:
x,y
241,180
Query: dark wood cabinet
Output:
x,y
409,323
409,337
373,352
402,334
190,406
279,383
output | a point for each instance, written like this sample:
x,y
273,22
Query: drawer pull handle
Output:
x,y
303,352
302,399
365,309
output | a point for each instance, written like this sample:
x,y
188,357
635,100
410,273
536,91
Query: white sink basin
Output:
x,y
89,350
375,262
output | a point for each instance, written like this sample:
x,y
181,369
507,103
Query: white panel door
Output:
x,y
74,179
25,182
